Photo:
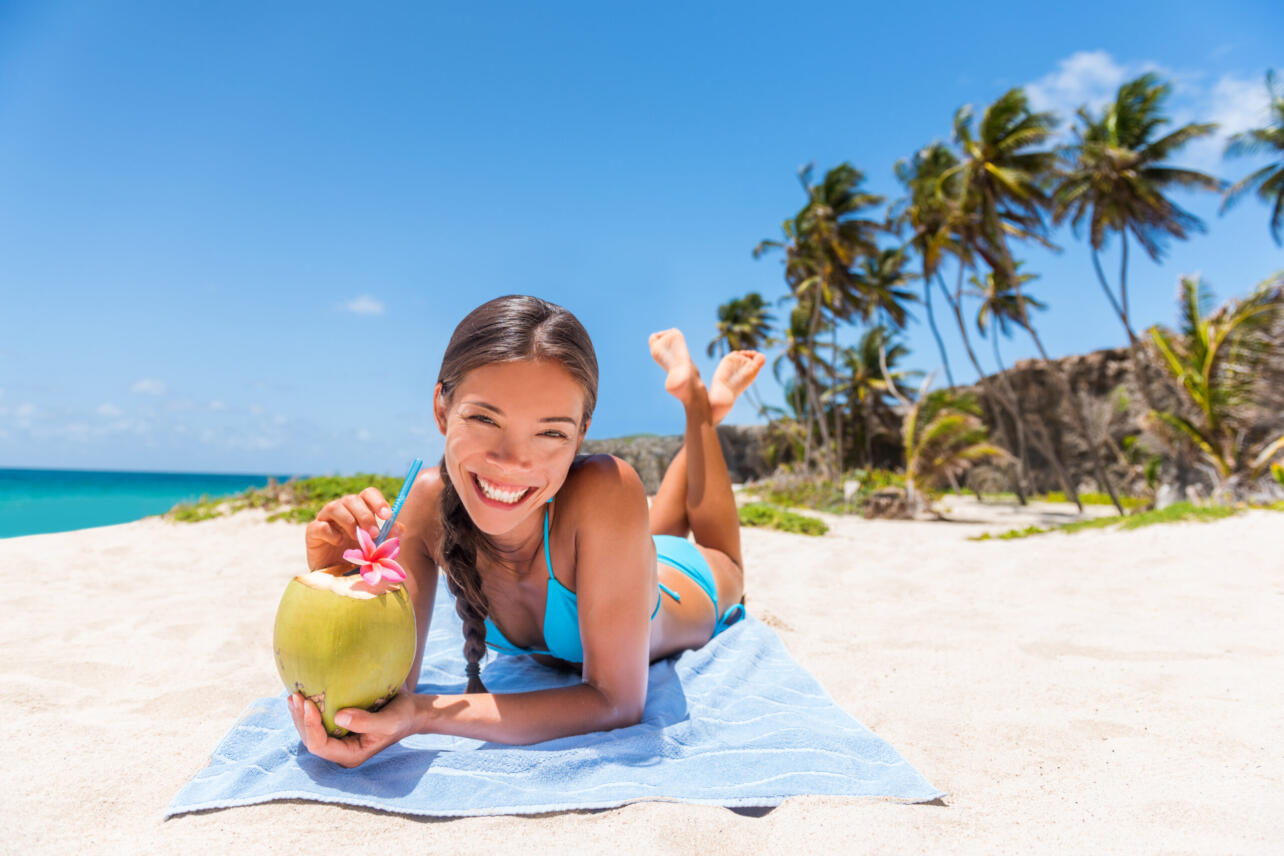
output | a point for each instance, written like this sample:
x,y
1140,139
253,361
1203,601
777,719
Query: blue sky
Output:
x,y
234,237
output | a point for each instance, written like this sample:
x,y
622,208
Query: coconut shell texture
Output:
x,y
343,651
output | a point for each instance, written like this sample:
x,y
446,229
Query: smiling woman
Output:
x,y
548,553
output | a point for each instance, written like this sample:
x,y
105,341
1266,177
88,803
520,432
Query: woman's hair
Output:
x,y
506,329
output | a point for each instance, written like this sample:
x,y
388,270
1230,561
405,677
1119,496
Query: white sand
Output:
x,y
1100,692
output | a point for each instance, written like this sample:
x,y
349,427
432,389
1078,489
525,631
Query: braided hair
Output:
x,y
506,329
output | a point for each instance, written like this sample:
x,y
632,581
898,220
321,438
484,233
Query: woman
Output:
x,y
545,552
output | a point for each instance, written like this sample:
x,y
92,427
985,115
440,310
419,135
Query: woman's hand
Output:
x,y
335,528
371,732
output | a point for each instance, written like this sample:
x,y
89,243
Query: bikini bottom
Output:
x,y
683,555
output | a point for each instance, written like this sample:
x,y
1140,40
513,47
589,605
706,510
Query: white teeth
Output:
x,y
508,496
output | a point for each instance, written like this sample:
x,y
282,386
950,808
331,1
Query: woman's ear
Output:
x,y
583,434
439,408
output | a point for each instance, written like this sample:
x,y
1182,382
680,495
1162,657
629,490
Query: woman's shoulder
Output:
x,y
602,478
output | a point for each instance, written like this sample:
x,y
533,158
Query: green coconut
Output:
x,y
343,642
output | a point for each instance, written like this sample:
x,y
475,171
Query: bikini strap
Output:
x,y
548,559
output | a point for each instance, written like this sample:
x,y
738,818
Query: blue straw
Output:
x,y
401,497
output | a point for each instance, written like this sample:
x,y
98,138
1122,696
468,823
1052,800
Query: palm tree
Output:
x,y
863,383
822,243
943,436
744,324
1218,360
926,210
802,356
1004,302
1269,180
999,191
1117,182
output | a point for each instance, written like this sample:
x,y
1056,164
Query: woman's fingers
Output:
x,y
307,721
378,505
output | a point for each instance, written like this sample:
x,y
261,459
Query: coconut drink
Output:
x,y
345,639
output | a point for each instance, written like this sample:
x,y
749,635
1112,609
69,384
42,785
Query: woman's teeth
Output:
x,y
499,494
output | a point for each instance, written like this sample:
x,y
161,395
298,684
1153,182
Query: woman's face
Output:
x,y
512,430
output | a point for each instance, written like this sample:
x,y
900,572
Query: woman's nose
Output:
x,y
512,453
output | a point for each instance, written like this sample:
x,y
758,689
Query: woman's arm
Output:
x,y
615,591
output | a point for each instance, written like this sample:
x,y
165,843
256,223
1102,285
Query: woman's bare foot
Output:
x,y
732,377
669,349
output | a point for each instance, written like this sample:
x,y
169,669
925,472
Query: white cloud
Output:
x,y
108,409
148,386
1091,78
256,409
217,405
364,305
1086,77
279,419
363,435
1235,104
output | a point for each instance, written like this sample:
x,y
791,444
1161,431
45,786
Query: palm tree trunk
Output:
x,y
813,399
990,397
1046,445
1076,409
869,434
838,411
931,322
1014,409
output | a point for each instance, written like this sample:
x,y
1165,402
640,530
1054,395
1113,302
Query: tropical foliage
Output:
x,y
1268,181
971,206
1219,361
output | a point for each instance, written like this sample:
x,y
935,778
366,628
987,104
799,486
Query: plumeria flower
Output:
x,y
376,562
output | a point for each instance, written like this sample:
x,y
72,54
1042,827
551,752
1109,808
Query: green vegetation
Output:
x,y
1131,503
1175,513
972,205
762,514
798,490
295,501
1219,362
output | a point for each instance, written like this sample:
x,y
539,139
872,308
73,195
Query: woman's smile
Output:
x,y
498,494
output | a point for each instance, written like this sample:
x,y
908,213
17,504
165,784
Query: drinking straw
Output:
x,y
401,497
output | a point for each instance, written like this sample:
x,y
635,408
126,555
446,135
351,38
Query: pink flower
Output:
x,y
376,562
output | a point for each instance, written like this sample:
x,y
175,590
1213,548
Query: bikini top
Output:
x,y
561,618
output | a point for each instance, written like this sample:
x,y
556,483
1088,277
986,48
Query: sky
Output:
x,y
235,237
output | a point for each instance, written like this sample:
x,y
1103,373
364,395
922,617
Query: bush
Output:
x,y
762,514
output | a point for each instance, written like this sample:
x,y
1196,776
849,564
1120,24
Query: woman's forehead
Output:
x,y
524,384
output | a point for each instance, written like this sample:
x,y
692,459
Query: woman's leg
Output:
x,y
696,490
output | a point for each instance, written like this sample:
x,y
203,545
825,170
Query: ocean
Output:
x,y
37,501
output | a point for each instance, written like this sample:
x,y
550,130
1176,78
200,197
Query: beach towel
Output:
x,y
736,723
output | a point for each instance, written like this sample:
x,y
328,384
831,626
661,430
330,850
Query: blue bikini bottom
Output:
x,y
683,555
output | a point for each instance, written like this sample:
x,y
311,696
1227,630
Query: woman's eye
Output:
x,y
481,418
558,434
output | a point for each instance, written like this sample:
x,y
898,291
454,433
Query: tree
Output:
x,y
943,436
1006,303
926,210
822,243
864,385
1268,181
1117,181
1219,359
744,324
998,183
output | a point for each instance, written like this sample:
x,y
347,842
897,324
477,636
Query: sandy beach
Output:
x,y
1098,692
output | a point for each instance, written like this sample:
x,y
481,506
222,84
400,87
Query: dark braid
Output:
x,y
460,541
506,329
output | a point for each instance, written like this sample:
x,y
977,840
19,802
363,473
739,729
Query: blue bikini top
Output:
x,y
561,618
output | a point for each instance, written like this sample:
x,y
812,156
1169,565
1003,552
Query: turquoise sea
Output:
x,y
37,501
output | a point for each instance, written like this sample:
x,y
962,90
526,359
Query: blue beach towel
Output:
x,y
736,723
